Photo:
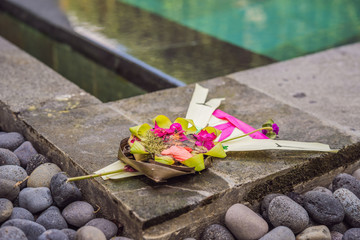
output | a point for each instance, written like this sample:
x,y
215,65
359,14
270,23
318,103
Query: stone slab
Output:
x,y
325,85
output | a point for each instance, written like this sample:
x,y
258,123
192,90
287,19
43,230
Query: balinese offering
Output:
x,y
188,145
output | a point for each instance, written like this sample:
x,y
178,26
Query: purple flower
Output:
x,y
275,128
205,139
174,130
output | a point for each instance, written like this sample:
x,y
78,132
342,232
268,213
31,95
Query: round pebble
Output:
x,y
323,190
21,213
35,199
216,231
51,218
13,173
347,181
53,234
41,176
351,205
320,232
285,212
8,189
70,233
323,208
296,197
12,233
279,233
340,227
34,162
7,157
31,229
6,208
244,223
352,234
126,238
11,140
25,152
64,192
356,174
107,227
336,235
90,233
265,204
78,213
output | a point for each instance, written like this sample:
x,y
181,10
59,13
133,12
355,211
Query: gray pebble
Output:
x,y
7,157
323,208
356,174
183,239
107,227
70,233
283,211
323,190
216,231
9,189
78,213
340,227
90,233
347,181
296,197
31,229
351,205
11,140
21,213
13,173
51,218
25,152
244,223
352,234
64,192
279,233
12,233
35,199
6,208
53,234
34,162
265,204
336,235
125,238
41,176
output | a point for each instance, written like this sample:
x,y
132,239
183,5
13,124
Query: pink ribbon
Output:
x,y
228,128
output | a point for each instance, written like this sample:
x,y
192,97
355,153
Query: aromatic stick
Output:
x,y
260,129
93,175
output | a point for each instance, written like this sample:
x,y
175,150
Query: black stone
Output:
x,y
216,232
347,181
64,192
323,208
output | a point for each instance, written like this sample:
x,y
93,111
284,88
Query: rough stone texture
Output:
x,y
51,218
35,199
21,213
265,204
336,235
323,208
34,162
216,231
320,232
78,213
31,229
107,227
285,212
11,140
6,208
70,233
42,175
329,80
13,173
347,181
352,234
7,157
323,190
90,233
351,206
340,227
245,223
13,233
356,174
64,192
25,152
279,233
8,189
53,234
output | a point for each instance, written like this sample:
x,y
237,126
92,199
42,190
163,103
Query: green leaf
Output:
x,y
165,160
140,130
196,162
271,135
268,123
162,121
185,125
216,151
138,148
210,130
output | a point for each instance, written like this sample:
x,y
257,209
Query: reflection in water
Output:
x,y
186,54
95,79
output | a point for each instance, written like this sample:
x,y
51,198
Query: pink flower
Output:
x,y
174,130
177,152
205,139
